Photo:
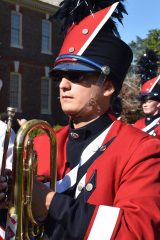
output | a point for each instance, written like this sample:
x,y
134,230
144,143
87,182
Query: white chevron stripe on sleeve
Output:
x,y
2,233
104,223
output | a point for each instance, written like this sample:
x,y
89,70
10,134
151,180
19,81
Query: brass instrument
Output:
x,y
20,219
11,113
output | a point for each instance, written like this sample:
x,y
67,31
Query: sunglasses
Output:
x,y
74,76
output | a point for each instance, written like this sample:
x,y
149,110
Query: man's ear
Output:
x,y
109,88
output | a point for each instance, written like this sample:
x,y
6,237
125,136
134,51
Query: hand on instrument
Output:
x,y
41,200
21,121
4,188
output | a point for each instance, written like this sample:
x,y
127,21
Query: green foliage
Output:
x,y
35,133
147,65
56,127
137,47
152,42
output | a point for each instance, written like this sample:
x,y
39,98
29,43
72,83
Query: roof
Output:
x,y
46,6
52,2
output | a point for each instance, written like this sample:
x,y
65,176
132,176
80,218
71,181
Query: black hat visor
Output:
x,y
75,63
148,96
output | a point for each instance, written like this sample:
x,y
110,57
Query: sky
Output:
x,y
143,15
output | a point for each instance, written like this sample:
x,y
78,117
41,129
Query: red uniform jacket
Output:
x,y
153,128
117,195
120,190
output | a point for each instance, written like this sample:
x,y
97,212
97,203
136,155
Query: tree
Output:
x,y
137,48
131,106
152,42
147,65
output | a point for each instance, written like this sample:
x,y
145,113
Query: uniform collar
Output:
x,y
150,119
91,129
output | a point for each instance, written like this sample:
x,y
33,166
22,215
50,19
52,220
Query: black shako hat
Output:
x,y
150,90
92,43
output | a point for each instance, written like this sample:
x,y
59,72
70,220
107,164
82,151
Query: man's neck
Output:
x,y
153,114
77,123
156,113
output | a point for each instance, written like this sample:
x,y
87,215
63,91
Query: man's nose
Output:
x,y
65,83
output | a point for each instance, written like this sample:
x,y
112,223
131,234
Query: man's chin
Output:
x,y
69,112
148,114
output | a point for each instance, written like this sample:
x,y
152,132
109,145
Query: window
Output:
x,y
16,29
46,95
15,91
46,36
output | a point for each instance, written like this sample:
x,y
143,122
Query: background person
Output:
x,y
15,123
9,159
150,100
3,128
21,121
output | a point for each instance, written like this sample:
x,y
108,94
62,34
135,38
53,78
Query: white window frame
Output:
x,y
49,50
48,109
19,94
17,45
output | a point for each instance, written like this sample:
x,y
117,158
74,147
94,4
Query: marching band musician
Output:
x,y
108,181
9,159
107,172
150,99
3,128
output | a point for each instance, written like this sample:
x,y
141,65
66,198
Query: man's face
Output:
x,y
151,107
81,96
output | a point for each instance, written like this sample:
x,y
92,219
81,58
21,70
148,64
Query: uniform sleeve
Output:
x,y
135,213
138,195
73,215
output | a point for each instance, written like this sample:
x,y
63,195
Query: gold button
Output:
x,y
89,187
